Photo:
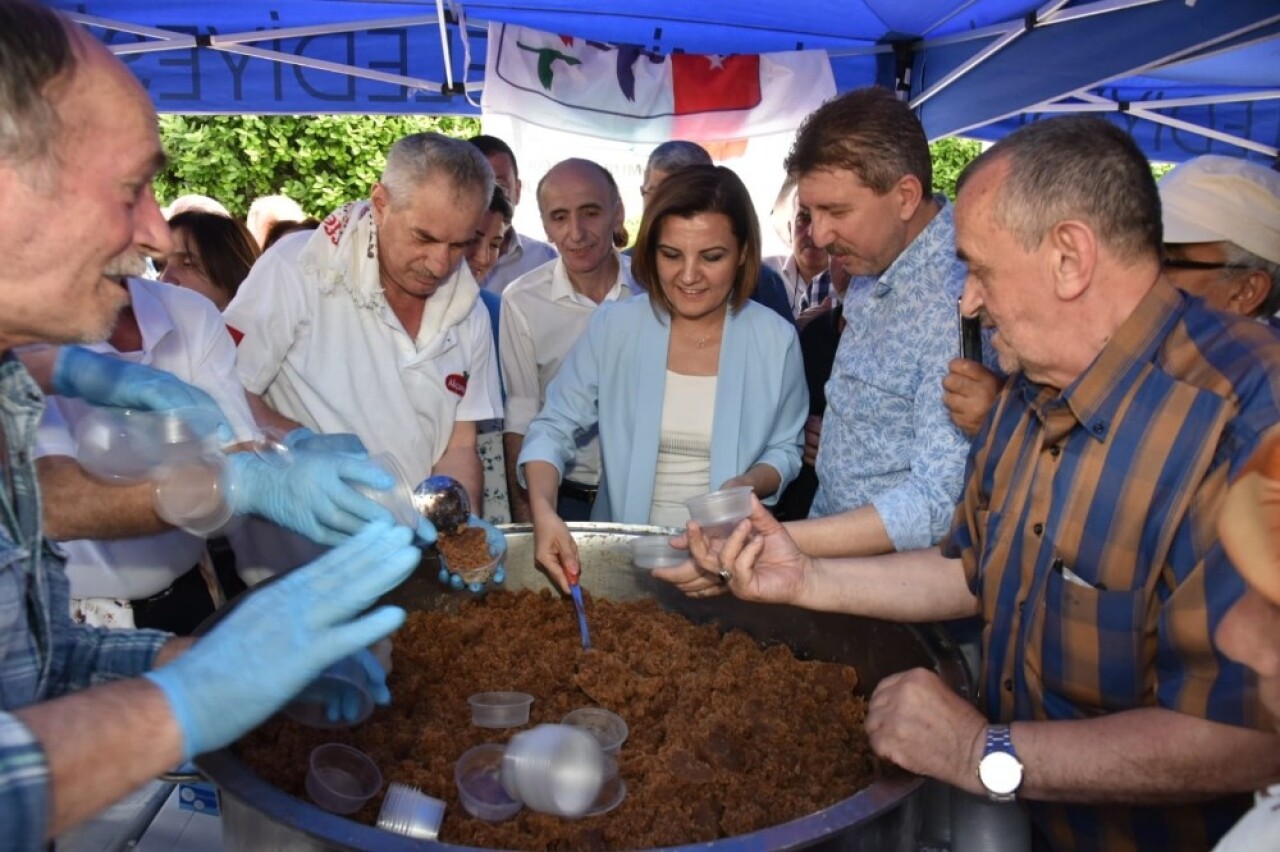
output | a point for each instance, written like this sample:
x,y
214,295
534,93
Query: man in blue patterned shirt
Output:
x,y
889,460
78,726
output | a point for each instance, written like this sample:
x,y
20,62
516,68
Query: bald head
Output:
x,y
577,169
581,210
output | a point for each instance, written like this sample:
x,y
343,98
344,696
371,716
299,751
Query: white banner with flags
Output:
x,y
625,93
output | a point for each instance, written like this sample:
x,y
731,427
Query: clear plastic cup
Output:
x,y
500,709
653,551
311,707
341,779
607,727
719,512
125,446
398,499
193,495
478,774
554,769
484,572
409,811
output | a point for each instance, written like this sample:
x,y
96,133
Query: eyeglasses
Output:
x,y
1203,265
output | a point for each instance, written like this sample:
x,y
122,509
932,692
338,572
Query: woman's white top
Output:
x,y
684,449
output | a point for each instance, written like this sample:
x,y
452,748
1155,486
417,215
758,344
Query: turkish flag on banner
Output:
x,y
714,83
625,93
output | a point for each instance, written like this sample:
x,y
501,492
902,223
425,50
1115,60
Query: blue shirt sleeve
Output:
x,y
24,786
87,656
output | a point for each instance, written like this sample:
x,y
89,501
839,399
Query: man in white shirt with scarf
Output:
x,y
372,325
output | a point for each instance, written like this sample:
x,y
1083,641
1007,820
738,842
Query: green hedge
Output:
x,y
319,161
323,161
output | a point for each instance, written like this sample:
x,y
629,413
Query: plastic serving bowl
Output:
x,y
478,774
500,709
719,512
652,551
607,727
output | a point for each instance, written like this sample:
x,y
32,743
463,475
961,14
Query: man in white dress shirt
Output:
x,y
545,312
372,325
129,582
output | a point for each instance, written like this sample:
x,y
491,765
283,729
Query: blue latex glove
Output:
x,y
496,539
342,700
103,380
303,438
313,495
281,636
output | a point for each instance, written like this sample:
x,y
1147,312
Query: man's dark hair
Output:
x,y
499,204
868,132
491,146
1075,167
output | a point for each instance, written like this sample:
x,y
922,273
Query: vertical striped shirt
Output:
x,y
42,653
1087,530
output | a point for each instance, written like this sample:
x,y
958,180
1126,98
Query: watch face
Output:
x,y
1000,772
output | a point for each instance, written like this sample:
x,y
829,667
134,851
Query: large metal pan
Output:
x,y
883,817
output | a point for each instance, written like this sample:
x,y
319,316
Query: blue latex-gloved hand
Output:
x,y
281,636
103,380
341,699
314,495
497,544
303,438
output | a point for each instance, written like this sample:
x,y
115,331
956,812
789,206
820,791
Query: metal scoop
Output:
x,y
444,502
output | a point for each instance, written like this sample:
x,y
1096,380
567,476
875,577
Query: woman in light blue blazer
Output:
x,y
692,386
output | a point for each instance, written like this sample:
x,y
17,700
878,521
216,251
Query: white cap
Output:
x,y
1213,199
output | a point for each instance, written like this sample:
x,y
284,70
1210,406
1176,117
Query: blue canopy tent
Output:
x,y
1186,77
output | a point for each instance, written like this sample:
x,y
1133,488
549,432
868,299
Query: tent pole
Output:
x,y
335,67
1028,24
444,46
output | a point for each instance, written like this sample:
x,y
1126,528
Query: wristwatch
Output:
x,y
1000,771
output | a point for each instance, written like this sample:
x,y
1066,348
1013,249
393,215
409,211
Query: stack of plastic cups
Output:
x,y
554,769
407,810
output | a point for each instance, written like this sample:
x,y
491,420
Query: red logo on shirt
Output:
x,y
457,382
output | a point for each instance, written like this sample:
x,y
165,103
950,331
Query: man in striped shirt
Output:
x,y
1085,536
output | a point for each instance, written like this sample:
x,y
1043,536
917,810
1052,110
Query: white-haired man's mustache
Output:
x,y
129,263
